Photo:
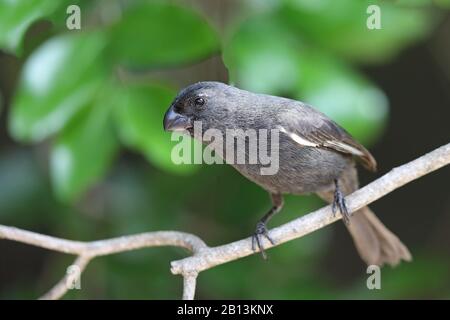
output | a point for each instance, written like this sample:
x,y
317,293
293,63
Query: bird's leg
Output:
x,y
339,202
261,226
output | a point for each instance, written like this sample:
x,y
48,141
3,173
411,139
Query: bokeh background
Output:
x,y
83,154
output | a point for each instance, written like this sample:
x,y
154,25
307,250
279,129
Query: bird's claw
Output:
x,y
339,202
261,230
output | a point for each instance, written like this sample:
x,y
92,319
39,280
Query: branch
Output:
x,y
204,257
62,286
189,283
86,251
318,219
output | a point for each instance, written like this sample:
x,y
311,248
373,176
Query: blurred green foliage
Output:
x,y
297,48
70,93
67,87
162,31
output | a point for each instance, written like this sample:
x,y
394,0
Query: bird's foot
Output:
x,y
339,202
261,230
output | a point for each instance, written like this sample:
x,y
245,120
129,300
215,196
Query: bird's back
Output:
x,y
302,168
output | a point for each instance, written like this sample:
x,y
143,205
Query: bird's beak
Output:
x,y
176,122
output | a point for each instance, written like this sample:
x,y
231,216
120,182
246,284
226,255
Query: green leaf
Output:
x,y
15,18
58,80
83,152
266,56
87,8
344,95
139,118
342,28
160,34
262,56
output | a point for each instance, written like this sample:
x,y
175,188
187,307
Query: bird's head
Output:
x,y
206,102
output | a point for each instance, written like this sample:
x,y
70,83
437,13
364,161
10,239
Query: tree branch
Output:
x,y
62,286
204,257
189,283
318,219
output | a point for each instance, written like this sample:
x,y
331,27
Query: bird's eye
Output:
x,y
199,102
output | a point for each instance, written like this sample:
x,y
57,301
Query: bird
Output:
x,y
316,155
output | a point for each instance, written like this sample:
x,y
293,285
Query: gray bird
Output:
x,y
316,155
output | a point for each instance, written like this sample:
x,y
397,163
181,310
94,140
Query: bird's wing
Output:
x,y
314,129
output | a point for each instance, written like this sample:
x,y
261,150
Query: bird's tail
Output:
x,y
375,243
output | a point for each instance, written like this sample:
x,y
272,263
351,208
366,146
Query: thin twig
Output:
x,y
88,250
63,285
204,257
189,283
